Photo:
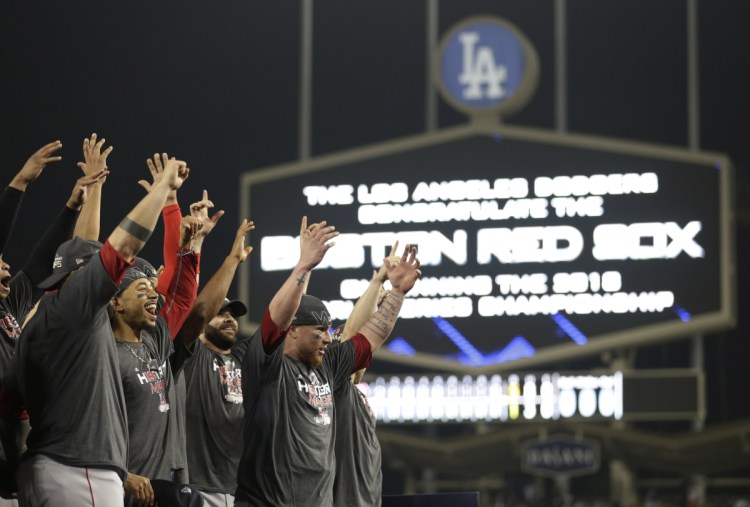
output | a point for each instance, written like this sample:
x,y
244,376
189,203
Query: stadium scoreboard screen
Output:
x,y
534,246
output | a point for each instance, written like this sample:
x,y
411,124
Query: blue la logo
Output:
x,y
486,64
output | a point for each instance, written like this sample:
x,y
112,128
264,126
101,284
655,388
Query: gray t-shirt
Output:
x,y
13,309
149,392
359,478
70,378
288,456
213,415
177,411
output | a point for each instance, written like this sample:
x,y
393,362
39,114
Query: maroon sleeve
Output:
x,y
182,291
362,352
114,263
172,216
272,335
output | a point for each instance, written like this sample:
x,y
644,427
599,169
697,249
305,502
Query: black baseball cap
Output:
x,y
169,494
235,306
146,267
132,274
70,256
311,312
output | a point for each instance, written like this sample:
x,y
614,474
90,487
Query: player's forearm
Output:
x,y
38,264
379,326
87,226
131,234
10,203
209,301
284,304
183,291
365,307
171,217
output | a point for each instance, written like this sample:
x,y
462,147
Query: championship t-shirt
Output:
x,y
359,478
69,373
149,396
13,309
288,456
214,415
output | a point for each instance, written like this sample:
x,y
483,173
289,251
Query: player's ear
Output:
x,y
115,305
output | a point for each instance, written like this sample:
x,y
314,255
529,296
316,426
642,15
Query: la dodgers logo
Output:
x,y
484,64
481,76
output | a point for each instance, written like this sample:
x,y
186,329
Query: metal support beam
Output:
x,y
305,80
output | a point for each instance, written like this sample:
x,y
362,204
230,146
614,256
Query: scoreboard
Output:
x,y
535,246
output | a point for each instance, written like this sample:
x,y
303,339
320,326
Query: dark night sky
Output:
x,y
217,85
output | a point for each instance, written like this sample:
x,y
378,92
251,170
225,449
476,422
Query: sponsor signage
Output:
x,y
560,455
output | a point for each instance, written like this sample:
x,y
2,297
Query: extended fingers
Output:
x,y
151,167
47,160
49,148
322,231
245,227
217,216
394,248
93,178
158,163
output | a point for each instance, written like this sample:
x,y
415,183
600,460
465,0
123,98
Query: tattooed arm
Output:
x,y
402,274
313,248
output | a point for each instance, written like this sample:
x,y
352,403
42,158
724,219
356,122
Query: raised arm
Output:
x,y
302,238
171,216
314,247
184,284
132,233
403,274
199,210
212,296
95,161
367,304
10,200
37,266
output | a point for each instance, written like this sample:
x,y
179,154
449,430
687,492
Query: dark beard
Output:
x,y
219,339
314,360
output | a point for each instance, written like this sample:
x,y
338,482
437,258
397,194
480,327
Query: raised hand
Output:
x,y
82,188
315,241
404,273
35,164
157,167
189,227
239,250
94,158
200,209
175,173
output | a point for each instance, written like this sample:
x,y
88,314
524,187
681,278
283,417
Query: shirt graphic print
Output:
x,y
317,395
230,378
